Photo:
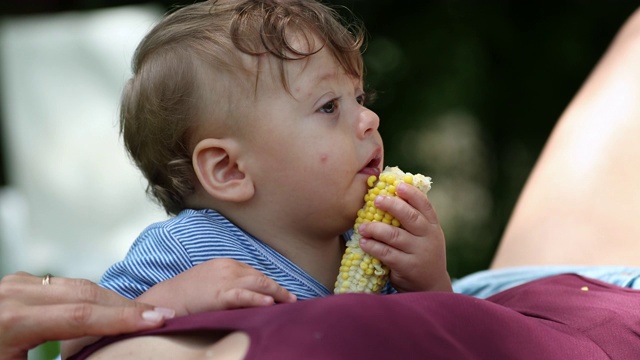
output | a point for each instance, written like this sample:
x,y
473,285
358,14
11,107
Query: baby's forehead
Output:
x,y
320,69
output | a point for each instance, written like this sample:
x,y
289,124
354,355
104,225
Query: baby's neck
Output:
x,y
315,249
318,255
320,258
322,263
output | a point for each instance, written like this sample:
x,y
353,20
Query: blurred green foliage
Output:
x,y
47,351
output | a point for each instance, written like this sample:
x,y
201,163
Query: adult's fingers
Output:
x,y
244,276
258,283
243,298
21,277
60,291
24,327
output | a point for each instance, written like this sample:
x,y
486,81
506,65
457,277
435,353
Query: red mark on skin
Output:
x,y
323,158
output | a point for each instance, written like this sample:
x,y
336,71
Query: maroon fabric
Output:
x,y
606,314
551,318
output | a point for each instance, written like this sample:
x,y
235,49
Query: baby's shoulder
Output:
x,y
195,226
198,235
193,219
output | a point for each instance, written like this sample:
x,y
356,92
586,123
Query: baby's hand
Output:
x,y
416,252
217,284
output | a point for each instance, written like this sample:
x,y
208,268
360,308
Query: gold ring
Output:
x,y
46,280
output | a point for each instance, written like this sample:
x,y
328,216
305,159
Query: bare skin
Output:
x,y
32,313
201,345
219,284
581,202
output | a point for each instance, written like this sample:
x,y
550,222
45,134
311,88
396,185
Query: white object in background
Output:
x,y
13,224
84,201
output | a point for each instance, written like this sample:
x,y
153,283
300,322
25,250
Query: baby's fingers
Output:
x,y
414,212
419,201
383,242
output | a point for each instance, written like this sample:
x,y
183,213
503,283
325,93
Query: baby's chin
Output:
x,y
350,220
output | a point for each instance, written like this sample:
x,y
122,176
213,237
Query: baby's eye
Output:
x,y
330,107
362,99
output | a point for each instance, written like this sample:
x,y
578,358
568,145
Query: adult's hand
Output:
x,y
218,284
33,311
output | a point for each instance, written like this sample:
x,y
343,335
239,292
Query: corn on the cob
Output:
x,y
359,271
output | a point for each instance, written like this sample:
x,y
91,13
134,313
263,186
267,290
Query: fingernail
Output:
x,y
165,312
158,314
379,199
267,300
152,316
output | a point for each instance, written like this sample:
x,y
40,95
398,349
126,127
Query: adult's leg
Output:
x,y
189,346
581,204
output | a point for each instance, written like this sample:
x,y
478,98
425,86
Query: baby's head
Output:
x,y
199,65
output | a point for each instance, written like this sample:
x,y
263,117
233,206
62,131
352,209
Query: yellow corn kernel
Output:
x,y
359,271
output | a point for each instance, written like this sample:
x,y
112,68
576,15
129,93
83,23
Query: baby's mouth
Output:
x,y
372,167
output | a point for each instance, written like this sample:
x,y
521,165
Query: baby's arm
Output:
x,y
415,252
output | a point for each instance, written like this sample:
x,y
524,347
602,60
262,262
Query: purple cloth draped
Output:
x,y
559,317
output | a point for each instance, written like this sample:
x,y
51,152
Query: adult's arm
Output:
x,y
580,204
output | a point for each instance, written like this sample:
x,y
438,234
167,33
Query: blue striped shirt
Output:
x,y
165,249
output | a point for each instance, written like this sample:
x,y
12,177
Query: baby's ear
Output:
x,y
214,162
